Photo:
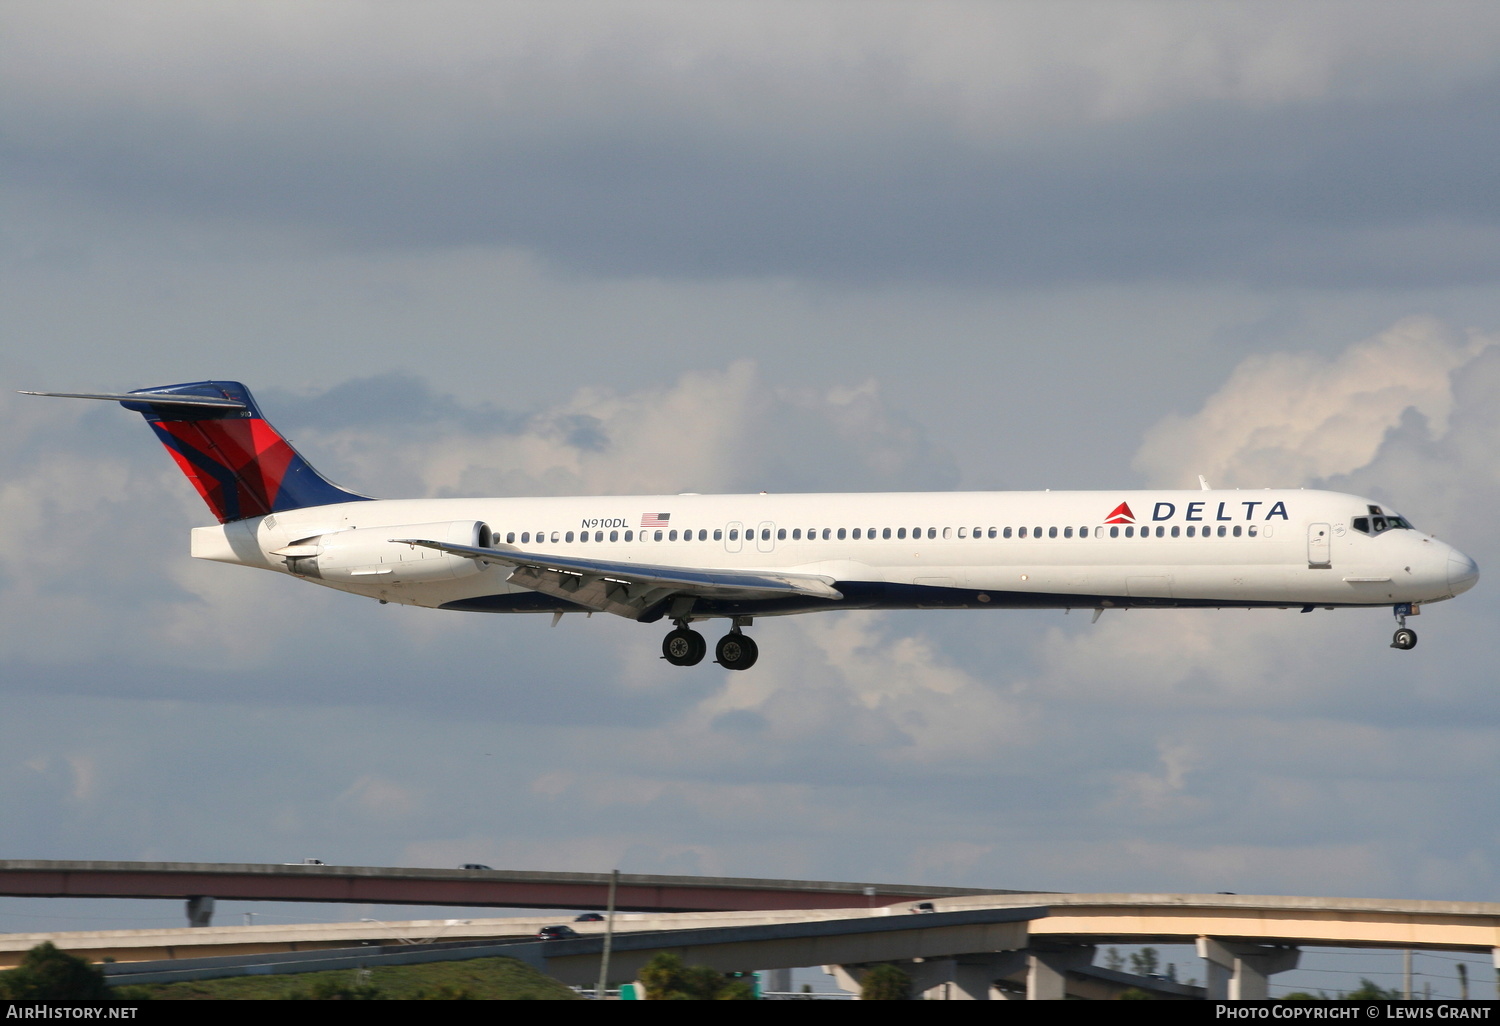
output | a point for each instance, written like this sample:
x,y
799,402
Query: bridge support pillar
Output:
x,y
963,977
200,910
954,978
1242,972
1047,970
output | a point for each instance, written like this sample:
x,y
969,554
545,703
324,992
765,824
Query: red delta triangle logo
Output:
x,y
1121,515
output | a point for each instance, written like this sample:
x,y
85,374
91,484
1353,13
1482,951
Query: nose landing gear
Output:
x,y
1405,638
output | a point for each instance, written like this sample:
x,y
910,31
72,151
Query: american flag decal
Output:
x,y
655,519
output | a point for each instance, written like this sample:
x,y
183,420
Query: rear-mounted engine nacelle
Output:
x,y
366,555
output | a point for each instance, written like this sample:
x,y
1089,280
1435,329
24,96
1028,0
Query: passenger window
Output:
x,y
886,533
1221,531
992,532
963,532
827,533
656,536
1021,533
569,536
870,533
1190,531
630,536
901,532
1236,530
614,536
1067,532
856,534
583,536
1007,532
525,537
672,536
932,532
1250,530
841,534
796,534
734,534
1130,532
1160,531
947,533
1051,532
781,534
718,534
1114,532
1176,531
1036,532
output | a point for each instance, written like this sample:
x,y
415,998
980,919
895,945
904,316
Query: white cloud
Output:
x,y
1285,419
709,431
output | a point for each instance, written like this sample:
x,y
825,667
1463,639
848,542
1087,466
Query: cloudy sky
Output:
x,y
533,248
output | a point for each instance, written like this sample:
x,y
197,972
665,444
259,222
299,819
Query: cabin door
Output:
x,y
1318,553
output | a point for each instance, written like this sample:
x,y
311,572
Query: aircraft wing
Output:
x,y
631,589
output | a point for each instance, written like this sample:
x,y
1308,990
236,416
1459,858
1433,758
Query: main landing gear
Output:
x,y
736,652
686,647
1405,638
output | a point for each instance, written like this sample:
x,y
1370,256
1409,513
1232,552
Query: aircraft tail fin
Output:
x,y
237,461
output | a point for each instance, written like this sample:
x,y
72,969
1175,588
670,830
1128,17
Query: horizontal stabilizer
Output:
x,y
154,398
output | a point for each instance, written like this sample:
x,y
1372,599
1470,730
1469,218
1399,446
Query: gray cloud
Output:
x,y
622,167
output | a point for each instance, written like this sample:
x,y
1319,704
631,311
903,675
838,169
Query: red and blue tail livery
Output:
x,y
236,460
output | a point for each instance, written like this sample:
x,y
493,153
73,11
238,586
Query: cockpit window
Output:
x,y
1378,524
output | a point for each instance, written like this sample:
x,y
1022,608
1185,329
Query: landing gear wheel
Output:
x,y
1405,639
736,652
684,647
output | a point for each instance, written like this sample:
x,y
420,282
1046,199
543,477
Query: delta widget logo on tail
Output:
x,y
1121,515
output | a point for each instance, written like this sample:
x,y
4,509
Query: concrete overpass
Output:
x,y
371,885
1244,939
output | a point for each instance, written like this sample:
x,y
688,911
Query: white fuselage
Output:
x,y
974,550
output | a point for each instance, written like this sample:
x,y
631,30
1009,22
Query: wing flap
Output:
x,y
631,589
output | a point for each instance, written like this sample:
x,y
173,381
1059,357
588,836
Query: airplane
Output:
x,y
689,558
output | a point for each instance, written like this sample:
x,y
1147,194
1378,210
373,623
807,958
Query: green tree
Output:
x,y
885,982
666,978
47,974
1113,960
663,978
1369,990
702,983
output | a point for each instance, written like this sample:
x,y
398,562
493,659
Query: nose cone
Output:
x,y
1463,572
